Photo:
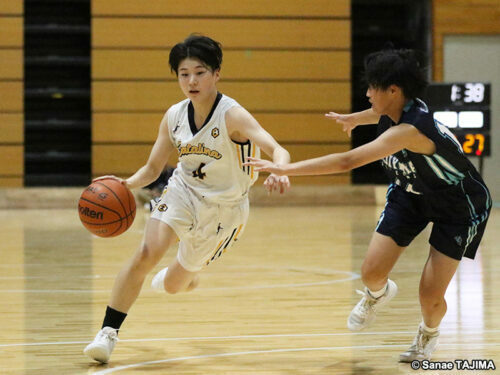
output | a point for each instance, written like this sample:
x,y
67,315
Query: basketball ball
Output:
x,y
107,208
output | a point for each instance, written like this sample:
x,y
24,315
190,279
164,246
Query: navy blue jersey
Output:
x,y
447,177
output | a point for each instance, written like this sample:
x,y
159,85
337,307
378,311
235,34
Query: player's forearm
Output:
x,y
144,176
328,164
366,117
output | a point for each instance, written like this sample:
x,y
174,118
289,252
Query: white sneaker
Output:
x,y
158,280
100,349
363,314
423,345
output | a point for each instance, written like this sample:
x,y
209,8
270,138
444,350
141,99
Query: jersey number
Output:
x,y
198,173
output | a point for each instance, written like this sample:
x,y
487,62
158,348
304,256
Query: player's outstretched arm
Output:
x,y
241,123
351,120
388,143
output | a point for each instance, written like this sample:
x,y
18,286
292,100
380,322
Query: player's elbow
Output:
x,y
282,154
344,163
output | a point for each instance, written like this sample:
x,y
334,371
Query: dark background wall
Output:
x,y
374,23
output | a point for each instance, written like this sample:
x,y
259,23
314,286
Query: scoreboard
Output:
x,y
464,107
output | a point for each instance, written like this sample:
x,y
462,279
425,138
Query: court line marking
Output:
x,y
241,337
13,265
54,277
274,269
349,277
233,354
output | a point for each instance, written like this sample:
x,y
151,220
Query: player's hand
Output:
x,y
120,180
261,165
347,121
277,183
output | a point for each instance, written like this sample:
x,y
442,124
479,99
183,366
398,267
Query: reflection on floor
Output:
x,y
276,303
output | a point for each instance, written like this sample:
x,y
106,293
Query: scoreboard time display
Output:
x,y
465,109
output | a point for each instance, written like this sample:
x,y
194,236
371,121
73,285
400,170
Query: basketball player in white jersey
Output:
x,y
205,205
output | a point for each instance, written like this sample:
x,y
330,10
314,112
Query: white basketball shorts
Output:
x,y
205,230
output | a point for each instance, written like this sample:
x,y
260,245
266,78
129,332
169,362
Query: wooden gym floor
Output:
x,y
276,303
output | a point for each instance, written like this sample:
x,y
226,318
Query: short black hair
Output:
x,y
196,46
396,67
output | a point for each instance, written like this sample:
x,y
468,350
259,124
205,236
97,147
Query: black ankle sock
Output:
x,y
113,318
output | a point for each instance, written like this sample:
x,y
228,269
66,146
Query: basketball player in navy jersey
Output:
x,y
205,205
431,181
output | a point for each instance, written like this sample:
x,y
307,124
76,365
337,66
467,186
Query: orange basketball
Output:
x,y
107,208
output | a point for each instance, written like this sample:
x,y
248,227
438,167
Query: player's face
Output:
x,y
380,100
197,81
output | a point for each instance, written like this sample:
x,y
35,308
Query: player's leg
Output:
x,y
221,228
438,272
178,279
383,253
175,279
157,239
436,276
400,222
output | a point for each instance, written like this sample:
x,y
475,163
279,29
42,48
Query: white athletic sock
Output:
x,y
378,293
427,329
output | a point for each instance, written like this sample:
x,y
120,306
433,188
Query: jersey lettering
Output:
x,y
400,168
199,149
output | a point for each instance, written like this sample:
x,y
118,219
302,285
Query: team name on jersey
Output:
x,y
198,149
400,168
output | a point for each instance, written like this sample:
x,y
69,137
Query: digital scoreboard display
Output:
x,y
465,109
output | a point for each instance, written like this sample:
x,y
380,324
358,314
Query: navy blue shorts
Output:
x,y
458,221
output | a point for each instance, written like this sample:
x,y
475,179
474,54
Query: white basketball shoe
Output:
x,y
101,348
364,313
423,346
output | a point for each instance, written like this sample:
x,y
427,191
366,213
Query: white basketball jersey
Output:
x,y
210,163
